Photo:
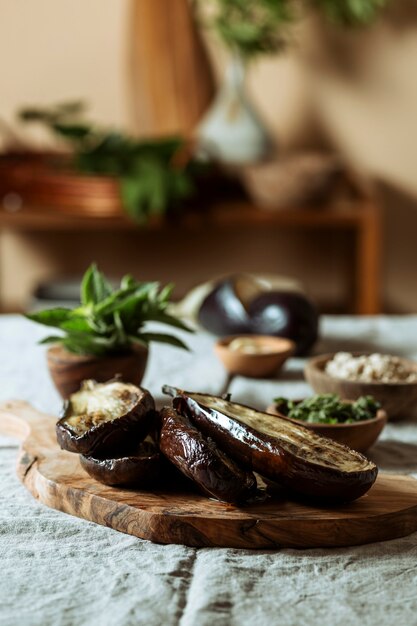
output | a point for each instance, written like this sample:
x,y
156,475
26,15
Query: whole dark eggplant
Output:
x,y
240,305
285,314
280,450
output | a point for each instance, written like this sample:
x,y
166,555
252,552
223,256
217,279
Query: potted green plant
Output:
x,y
96,170
232,131
104,336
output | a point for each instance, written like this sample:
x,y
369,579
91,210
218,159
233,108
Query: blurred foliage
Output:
x,y
152,180
350,12
253,27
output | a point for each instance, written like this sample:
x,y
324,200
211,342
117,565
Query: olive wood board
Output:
x,y
55,478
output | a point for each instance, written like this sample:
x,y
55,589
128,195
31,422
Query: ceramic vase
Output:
x,y
232,131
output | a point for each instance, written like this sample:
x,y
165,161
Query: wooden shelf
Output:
x,y
363,217
222,214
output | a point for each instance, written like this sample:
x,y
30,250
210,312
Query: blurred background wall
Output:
x,y
355,91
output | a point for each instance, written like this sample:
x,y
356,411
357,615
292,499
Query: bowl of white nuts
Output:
x,y
391,380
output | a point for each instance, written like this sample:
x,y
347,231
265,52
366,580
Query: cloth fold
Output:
x,y
59,570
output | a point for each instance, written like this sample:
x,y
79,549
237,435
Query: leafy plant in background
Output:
x,y
110,321
153,180
350,12
253,27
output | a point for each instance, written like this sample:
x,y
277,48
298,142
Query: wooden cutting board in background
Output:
x,y
170,76
55,477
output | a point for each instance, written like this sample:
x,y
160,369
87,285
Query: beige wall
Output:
x,y
361,89
54,50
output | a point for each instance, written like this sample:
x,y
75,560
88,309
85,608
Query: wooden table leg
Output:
x,y
368,262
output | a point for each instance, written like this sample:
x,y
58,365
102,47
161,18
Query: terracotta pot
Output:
x,y
69,370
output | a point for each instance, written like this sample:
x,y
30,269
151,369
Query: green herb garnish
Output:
x,y
328,409
111,320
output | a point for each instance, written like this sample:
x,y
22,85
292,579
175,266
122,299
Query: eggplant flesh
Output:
x,y
200,460
295,457
102,418
141,468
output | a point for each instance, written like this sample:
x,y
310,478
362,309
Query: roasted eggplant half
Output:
x,y
102,418
199,458
141,468
293,456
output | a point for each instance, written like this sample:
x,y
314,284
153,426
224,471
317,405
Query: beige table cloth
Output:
x,y
61,571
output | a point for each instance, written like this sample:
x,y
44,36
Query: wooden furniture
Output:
x,y
362,218
55,478
171,80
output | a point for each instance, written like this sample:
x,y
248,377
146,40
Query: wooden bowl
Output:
x,y
68,370
397,399
359,436
255,365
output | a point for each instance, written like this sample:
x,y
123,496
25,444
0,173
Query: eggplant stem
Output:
x,y
224,393
168,390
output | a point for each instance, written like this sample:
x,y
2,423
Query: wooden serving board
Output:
x,y
55,477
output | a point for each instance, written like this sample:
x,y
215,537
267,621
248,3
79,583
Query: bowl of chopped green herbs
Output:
x,y
356,424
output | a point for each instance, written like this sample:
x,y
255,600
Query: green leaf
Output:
x,y
81,324
123,298
163,338
170,320
127,282
34,114
122,336
83,343
51,317
133,197
165,294
52,339
72,131
94,287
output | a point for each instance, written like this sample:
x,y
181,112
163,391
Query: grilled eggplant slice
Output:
x,y
102,418
280,450
198,458
141,468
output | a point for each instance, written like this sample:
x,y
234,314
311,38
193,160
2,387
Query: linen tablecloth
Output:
x,y
59,570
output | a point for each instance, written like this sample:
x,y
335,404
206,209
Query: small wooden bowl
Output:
x,y
397,399
68,370
359,436
255,365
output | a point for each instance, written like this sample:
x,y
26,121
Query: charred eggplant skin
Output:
x,y
107,438
142,470
267,456
199,459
